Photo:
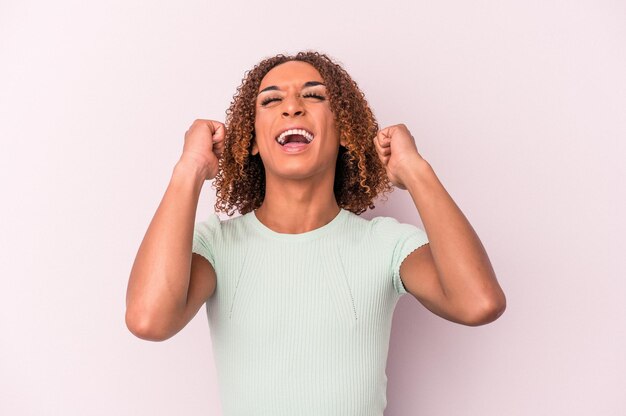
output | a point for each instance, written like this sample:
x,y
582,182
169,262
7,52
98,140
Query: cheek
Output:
x,y
262,126
331,128
325,119
258,121
330,120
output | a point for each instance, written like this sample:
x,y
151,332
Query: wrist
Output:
x,y
189,171
421,171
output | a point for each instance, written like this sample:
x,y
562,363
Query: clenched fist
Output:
x,y
204,144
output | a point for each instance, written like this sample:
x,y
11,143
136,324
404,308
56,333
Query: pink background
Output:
x,y
519,107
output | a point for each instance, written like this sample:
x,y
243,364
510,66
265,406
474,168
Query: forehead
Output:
x,y
296,72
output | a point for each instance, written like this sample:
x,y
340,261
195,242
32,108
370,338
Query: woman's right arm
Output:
x,y
168,284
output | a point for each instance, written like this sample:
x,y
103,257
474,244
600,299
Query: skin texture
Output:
x,y
348,164
359,175
451,275
299,187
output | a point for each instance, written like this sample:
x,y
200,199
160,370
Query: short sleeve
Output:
x,y
403,239
205,235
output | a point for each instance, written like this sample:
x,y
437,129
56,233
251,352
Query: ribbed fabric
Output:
x,y
300,323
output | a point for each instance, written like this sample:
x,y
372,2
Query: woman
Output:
x,y
300,290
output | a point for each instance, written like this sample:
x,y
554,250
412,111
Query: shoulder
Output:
x,y
214,225
213,236
401,238
391,228
210,225
384,230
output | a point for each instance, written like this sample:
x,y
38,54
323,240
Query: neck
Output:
x,y
295,206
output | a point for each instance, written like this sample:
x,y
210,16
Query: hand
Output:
x,y
397,151
204,145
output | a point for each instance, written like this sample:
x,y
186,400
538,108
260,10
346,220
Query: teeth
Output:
x,y
307,135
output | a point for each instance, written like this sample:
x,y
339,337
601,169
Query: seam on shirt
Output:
x,y
237,284
345,278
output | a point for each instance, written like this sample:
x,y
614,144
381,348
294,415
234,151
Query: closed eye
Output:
x,y
313,95
269,100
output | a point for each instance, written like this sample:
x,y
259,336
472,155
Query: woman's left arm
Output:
x,y
452,275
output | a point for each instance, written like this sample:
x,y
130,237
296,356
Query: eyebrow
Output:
x,y
305,85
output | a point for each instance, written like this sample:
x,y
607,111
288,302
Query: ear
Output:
x,y
255,148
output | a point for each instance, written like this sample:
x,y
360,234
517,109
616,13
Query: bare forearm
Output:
x,y
159,279
466,275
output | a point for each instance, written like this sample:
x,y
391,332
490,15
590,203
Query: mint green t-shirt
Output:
x,y
300,323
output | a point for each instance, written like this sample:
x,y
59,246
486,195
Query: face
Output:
x,y
292,106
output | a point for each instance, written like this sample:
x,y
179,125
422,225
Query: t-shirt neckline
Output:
x,y
316,233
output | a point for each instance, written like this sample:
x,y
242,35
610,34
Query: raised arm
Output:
x,y
167,284
452,275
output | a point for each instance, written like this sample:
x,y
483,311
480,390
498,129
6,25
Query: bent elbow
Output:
x,y
489,311
144,329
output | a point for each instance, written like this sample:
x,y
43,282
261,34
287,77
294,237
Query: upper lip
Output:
x,y
292,128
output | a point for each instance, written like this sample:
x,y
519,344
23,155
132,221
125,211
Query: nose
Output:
x,y
293,106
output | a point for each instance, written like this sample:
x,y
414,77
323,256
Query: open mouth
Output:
x,y
295,136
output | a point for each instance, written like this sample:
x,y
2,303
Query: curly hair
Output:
x,y
359,175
